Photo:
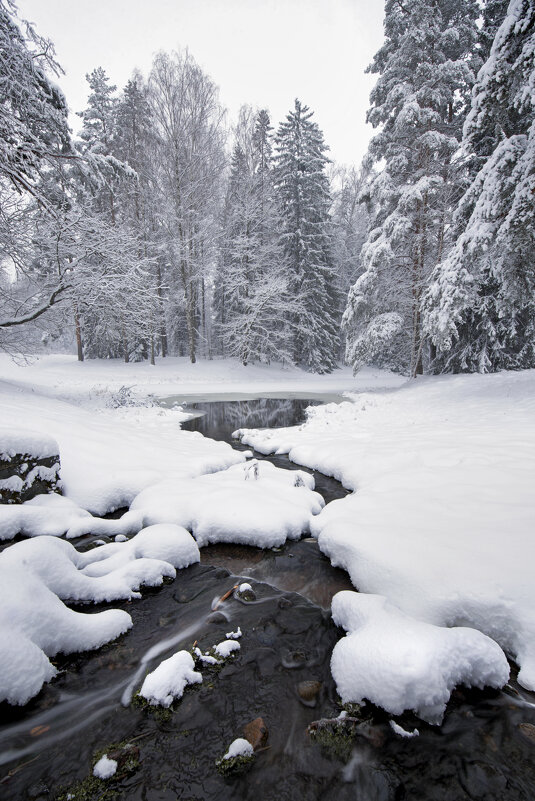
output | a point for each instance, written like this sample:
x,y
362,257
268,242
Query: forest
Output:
x,y
163,228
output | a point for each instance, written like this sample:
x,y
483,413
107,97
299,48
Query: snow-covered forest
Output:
x,y
162,228
320,568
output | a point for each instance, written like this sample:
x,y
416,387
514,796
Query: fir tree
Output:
x,y
480,307
419,101
305,201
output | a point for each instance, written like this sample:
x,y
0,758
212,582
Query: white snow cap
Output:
x,y
169,680
397,729
105,768
21,441
233,506
239,747
400,663
225,648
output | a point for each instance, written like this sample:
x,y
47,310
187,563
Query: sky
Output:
x,y
261,52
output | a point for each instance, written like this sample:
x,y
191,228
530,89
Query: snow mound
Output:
x,y
36,624
239,747
252,504
54,515
29,443
224,649
399,663
105,768
108,572
169,680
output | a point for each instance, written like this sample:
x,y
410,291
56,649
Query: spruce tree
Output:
x,y
303,190
480,307
419,102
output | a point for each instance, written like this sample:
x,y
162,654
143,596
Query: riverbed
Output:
x,y
483,750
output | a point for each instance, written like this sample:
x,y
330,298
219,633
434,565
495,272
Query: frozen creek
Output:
x,y
483,750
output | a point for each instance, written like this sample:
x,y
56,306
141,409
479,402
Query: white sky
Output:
x,y
262,52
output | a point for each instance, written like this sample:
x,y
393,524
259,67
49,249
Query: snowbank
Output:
x,y
169,680
443,515
399,663
252,504
35,624
22,441
35,574
109,572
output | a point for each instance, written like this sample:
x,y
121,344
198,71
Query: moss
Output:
x,y
160,713
234,766
336,740
94,789
90,789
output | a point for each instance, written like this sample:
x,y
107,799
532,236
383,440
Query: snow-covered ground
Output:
x,y
443,514
440,522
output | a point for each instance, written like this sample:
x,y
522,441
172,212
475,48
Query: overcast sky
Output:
x,y
262,52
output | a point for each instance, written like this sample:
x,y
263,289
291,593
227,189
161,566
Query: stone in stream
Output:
x,y
29,466
308,691
528,730
256,732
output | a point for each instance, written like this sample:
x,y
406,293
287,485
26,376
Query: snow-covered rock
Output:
x,y
252,504
400,663
105,768
224,649
169,680
29,465
239,747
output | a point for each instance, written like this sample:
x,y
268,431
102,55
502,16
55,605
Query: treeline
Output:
x,y
157,231
160,231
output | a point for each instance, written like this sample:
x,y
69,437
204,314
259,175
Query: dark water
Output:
x,y
485,748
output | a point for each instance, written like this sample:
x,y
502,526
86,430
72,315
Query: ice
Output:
x,y
399,663
235,506
169,680
105,768
397,729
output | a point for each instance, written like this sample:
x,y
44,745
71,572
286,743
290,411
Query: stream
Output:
x,y
485,748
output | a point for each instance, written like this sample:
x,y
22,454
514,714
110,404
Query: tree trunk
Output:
x,y
78,330
152,359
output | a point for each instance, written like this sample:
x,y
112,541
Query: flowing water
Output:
x,y
484,750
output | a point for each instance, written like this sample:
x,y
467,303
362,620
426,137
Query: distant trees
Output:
x,y
251,291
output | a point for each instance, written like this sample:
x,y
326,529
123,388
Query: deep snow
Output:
x,y
440,522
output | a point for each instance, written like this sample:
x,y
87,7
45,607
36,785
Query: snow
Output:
x,y
400,663
239,747
30,443
234,635
105,768
442,515
252,504
36,624
169,680
226,648
245,587
397,729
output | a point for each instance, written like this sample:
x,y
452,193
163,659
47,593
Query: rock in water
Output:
x,y
256,732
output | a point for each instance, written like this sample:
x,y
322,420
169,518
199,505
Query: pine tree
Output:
x,y
480,307
420,103
305,201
